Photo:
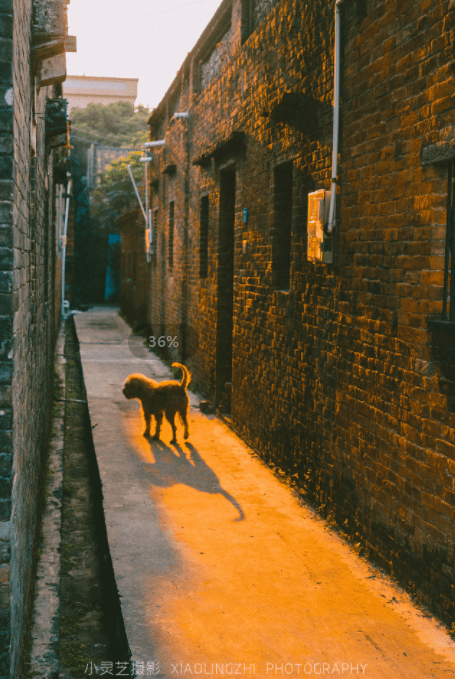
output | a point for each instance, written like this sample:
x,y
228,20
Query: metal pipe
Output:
x,y
65,230
147,211
336,117
60,212
146,186
136,191
150,225
152,144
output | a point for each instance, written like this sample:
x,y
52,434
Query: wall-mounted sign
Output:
x,y
245,215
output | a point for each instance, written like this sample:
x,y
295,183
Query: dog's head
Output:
x,y
133,386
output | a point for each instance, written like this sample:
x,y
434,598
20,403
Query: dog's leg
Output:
x,y
183,412
159,419
170,415
147,418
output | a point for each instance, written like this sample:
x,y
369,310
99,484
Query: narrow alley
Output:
x,y
220,568
266,191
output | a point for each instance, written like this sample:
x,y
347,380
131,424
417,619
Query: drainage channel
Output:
x,y
84,633
92,636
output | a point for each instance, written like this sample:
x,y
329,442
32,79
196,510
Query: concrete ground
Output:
x,y
220,569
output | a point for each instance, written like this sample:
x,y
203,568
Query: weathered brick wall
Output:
x,y
202,291
169,176
338,379
397,99
134,269
27,268
259,11
243,98
6,329
217,59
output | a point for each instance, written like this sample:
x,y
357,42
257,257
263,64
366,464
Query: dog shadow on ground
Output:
x,y
177,465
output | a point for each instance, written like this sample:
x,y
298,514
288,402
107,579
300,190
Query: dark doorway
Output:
x,y
225,295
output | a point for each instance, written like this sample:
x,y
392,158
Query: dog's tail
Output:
x,y
186,379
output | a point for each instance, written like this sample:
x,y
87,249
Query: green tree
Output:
x,y
117,124
114,193
120,125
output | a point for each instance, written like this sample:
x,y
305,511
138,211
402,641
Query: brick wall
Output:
x,y
28,265
169,205
6,328
338,379
219,56
134,268
391,254
259,11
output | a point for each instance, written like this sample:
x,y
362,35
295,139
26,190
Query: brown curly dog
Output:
x,y
158,398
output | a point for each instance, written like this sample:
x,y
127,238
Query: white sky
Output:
x,y
145,39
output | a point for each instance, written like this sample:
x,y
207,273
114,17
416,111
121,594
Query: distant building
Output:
x,y
82,90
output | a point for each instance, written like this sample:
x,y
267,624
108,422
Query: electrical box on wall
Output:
x,y
149,237
320,245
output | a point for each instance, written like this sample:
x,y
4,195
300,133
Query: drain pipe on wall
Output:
x,y
63,241
145,211
154,144
148,222
184,115
128,167
336,116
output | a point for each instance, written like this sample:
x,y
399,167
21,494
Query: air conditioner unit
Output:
x,y
319,243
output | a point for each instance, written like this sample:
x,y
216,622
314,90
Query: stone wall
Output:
x,y
336,378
